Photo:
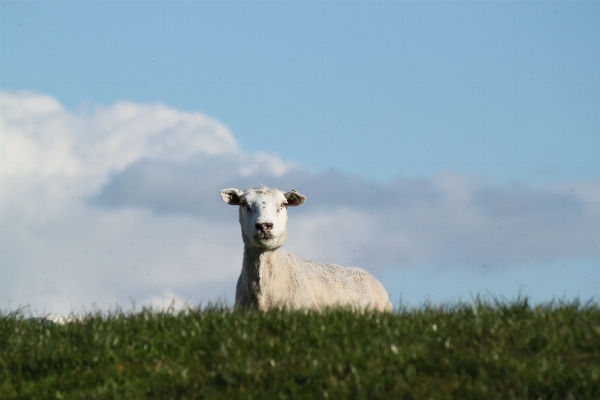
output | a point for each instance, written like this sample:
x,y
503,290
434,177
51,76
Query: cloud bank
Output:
x,y
120,204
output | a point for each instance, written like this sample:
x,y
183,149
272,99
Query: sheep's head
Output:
x,y
263,214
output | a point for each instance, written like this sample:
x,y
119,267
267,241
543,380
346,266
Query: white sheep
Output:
x,y
272,277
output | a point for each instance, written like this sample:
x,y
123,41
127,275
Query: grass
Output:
x,y
463,351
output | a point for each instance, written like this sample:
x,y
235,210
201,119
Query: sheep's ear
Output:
x,y
231,196
294,198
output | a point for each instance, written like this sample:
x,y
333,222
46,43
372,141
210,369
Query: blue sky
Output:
x,y
479,120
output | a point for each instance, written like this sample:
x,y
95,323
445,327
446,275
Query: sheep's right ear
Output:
x,y
231,196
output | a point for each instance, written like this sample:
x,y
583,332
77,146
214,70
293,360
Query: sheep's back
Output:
x,y
324,285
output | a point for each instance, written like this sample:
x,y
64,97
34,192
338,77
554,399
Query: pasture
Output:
x,y
478,350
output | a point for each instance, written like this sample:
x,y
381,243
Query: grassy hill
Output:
x,y
463,351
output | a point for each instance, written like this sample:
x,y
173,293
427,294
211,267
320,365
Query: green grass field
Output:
x,y
484,350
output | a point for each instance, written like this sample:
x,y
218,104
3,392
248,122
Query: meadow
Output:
x,y
477,350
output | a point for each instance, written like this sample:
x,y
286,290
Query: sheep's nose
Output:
x,y
264,227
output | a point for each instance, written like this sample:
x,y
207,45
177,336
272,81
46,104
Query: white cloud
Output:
x,y
59,251
121,205
453,220
41,139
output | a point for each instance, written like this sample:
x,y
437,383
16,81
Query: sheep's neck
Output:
x,y
259,267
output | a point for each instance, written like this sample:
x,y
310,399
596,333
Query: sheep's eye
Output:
x,y
283,205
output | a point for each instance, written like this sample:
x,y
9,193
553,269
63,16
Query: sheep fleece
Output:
x,y
287,281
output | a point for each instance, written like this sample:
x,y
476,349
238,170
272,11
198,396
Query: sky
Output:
x,y
449,148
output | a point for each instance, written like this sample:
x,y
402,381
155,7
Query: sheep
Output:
x,y
274,278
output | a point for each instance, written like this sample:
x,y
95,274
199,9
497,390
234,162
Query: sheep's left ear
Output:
x,y
231,196
294,198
